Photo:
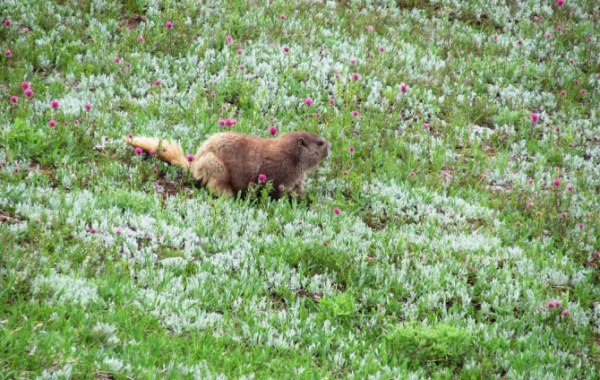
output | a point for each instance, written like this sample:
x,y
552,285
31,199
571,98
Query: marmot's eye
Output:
x,y
319,143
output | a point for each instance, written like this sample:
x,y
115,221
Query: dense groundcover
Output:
x,y
452,233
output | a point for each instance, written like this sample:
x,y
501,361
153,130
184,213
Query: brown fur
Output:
x,y
228,162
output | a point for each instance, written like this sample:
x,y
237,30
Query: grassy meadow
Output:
x,y
454,232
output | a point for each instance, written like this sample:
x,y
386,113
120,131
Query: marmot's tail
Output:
x,y
165,150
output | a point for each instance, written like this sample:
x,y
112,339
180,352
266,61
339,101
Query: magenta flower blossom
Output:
x,y
88,106
25,85
589,39
529,205
169,25
157,82
271,118
16,170
530,181
351,149
370,27
355,113
331,101
583,90
152,152
336,211
25,31
403,88
560,2
92,230
75,121
563,93
570,187
345,172
580,225
556,182
355,76
212,95
557,303
425,126
229,39
548,35
240,51
550,305
164,150
262,178
55,104
242,67
534,117
52,123
282,16
7,22
382,49
66,123
352,61
576,81
118,231
141,39
308,101
412,174
520,42
558,28
130,26
155,170
571,60
8,53
138,151
286,49
565,312
317,115
14,99
117,59
190,158
230,122
105,138
128,64
195,38
221,122
130,136
273,130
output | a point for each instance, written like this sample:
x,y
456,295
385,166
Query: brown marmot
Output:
x,y
228,162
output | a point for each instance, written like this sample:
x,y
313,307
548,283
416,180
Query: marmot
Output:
x,y
229,162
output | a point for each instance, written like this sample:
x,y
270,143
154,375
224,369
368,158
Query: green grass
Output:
x,y
451,242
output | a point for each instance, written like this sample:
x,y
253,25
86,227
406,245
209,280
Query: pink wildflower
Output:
x,y
8,53
273,130
229,39
130,136
534,117
355,113
52,123
352,61
7,22
382,49
14,99
355,76
403,88
240,51
556,182
55,104
370,27
117,59
157,82
138,151
308,101
286,49
560,2
25,85
282,16
169,25
331,101
88,106
425,126
190,158
262,178
565,312
141,39
152,152
351,149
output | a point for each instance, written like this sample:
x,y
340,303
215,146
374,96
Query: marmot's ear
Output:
x,y
301,141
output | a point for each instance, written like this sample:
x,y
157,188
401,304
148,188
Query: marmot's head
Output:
x,y
310,148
